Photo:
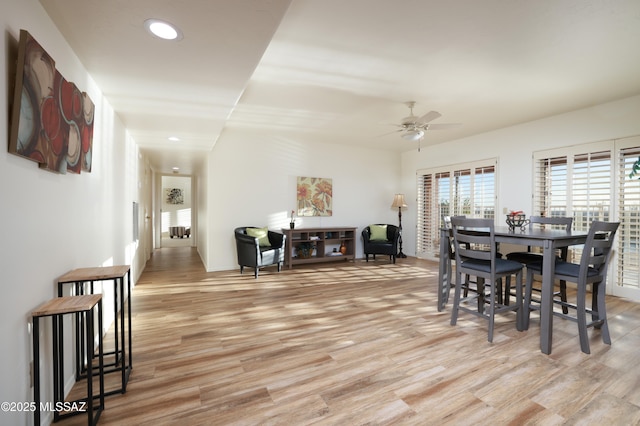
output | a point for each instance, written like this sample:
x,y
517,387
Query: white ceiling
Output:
x,y
340,71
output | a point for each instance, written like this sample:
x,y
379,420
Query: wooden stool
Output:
x,y
122,355
56,308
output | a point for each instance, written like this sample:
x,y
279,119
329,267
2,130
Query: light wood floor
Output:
x,y
355,344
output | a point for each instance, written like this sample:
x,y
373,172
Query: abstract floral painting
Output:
x,y
52,120
314,196
173,196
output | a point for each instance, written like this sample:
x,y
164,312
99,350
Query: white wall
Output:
x,y
201,188
513,146
55,223
252,179
252,182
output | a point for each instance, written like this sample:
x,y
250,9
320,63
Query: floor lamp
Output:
x,y
398,201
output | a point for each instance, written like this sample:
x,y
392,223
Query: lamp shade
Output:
x,y
398,201
413,135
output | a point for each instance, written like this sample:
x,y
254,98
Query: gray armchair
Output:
x,y
252,253
387,246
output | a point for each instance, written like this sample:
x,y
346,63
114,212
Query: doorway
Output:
x,y
176,211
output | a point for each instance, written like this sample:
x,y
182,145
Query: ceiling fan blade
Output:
x,y
442,126
430,116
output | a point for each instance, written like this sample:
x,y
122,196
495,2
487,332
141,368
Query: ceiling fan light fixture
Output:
x,y
413,135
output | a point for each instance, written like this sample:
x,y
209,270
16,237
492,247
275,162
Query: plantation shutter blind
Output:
x,y
485,192
425,213
629,215
550,187
464,189
591,188
577,185
462,193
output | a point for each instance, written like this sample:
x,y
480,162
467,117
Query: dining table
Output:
x,y
549,240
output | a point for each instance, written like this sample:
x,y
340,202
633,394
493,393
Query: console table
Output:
x,y
122,355
325,241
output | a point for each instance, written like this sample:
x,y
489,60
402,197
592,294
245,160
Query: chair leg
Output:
x,y
241,269
599,292
507,290
256,273
492,310
279,266
448,285
581,316
563,297
520,306
366,256
526,311
480,290
456,299
392,258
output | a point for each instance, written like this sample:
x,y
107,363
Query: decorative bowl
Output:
x,y
518,220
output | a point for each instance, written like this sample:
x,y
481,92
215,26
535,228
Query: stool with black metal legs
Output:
x,y
592,270
120,357
56,309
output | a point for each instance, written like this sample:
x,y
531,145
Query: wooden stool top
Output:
x,y
66,305
94,274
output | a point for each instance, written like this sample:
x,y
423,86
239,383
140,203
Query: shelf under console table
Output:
x,y
327,243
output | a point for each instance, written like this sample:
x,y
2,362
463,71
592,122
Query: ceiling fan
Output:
x,y
412,127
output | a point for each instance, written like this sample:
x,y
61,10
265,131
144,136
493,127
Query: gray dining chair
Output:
x,y
528,257
592,270
475,252
447,256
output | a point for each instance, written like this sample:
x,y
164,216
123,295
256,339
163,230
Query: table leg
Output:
x,y
100,362
444,275
36,369
123,366
116,293
90,351
58,362
546,297
79,336
129,317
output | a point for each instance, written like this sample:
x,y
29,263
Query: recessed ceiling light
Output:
x,y
174,139
175,169
163,29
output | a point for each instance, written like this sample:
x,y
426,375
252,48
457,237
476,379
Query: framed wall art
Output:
x,y
51,120
314,196
174,196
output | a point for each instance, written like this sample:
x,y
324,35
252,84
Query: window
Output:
x,y
591,182
465,189
578,185
628,255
